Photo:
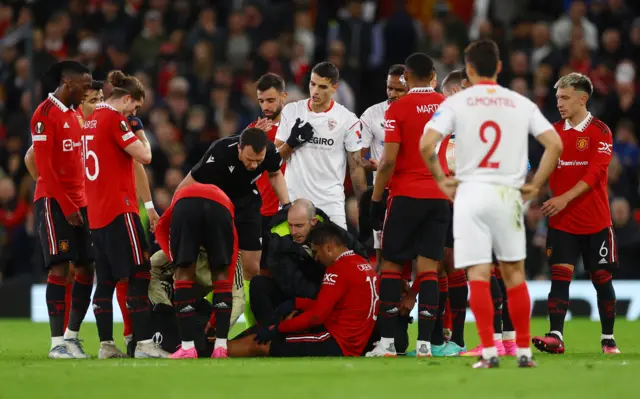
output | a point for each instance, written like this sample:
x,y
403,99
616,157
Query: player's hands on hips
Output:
x,y
267,334
554,206
529,192
376,214
153,219
75,219
448,186
135,123
300,134
264,124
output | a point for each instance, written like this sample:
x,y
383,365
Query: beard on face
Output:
x,y
274,115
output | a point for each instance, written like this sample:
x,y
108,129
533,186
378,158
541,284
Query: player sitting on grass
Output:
x,y
338,323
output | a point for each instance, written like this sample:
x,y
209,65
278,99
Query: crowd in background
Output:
x,y
199,60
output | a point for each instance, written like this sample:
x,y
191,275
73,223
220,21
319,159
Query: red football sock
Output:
x,y
121,293
520,312
67,303
446,322
482,307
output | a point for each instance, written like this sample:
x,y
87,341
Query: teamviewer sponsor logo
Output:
x,y
563,164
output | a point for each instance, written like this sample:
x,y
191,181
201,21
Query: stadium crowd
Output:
x,y
199,63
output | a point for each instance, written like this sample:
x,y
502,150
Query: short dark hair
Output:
x,y
97,85
62,69
484,55
327,232
254,137
420,64
396,70
454,78
269,80
328,71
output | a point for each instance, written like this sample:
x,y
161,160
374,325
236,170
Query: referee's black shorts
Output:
x,y
415,227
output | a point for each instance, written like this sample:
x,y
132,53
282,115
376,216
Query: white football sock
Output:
x,y
558,333
186,345
55,341
220,343
509,335
68,334
488,353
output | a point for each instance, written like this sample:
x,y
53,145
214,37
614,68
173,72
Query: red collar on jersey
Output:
x,y
328,109
487,82
422,90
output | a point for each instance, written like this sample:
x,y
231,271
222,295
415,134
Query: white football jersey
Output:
x,y
317,169
491,124
373,130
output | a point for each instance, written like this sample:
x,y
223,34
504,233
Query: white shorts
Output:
x,y
336,213
487,218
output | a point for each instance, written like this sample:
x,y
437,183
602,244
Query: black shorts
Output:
x,y
121,248
248,222
317,342
415,227
62,242
266,233
598,251
449,241
200,222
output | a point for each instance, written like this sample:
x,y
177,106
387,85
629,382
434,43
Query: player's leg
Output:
x,y
265,298
67,295
508,333
82,286
437,335
248,222
53,231
498,308
266,238
601,253
247,347
563,250
428,243
220,242
132,258
121,295
103,297
458,295
397,248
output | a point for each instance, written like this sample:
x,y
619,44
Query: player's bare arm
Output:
x,y
369,165
30,163
357,173
279,186
187,181
140,150
284,150
428,143
552,144
385,170
144,193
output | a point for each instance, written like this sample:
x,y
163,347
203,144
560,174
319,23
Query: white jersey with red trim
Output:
x,y
317,169
373,130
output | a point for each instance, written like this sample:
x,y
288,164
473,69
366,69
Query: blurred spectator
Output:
x,y
344,95
623,102
561,29
238,42
146,46
628,237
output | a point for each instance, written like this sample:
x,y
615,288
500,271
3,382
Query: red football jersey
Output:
x,y
111,183
270,202
586,156
346,305
198,190
57,147
404,123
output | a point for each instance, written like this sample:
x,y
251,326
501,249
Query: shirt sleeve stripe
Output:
x,y
39,137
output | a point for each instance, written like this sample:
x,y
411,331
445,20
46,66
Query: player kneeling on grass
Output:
x,y
488,206
338,323
200,215
161,294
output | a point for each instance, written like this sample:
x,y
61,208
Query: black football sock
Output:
x,y
184,303
606,299
458,294
507,325
402,335
261,304
80,300
139,305
437,335
427,304
496,296
559,297
222,305
56,286
103,309
390,292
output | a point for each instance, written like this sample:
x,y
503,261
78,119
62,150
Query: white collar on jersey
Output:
x,y
580,126
422,90
105,105
58,103
346,253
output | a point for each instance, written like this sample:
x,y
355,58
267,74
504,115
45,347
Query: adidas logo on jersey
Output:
x,y
187,309
66,125
425,313
221,305
602,261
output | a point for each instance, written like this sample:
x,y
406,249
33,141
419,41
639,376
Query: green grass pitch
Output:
x,y
582,372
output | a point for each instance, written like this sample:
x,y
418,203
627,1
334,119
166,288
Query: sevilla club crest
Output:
x,y
332,124
582,143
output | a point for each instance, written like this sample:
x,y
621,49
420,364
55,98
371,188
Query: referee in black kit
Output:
x,y
234,164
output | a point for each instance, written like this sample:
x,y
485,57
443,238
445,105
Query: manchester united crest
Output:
x,y
332,124
63,245
582,143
